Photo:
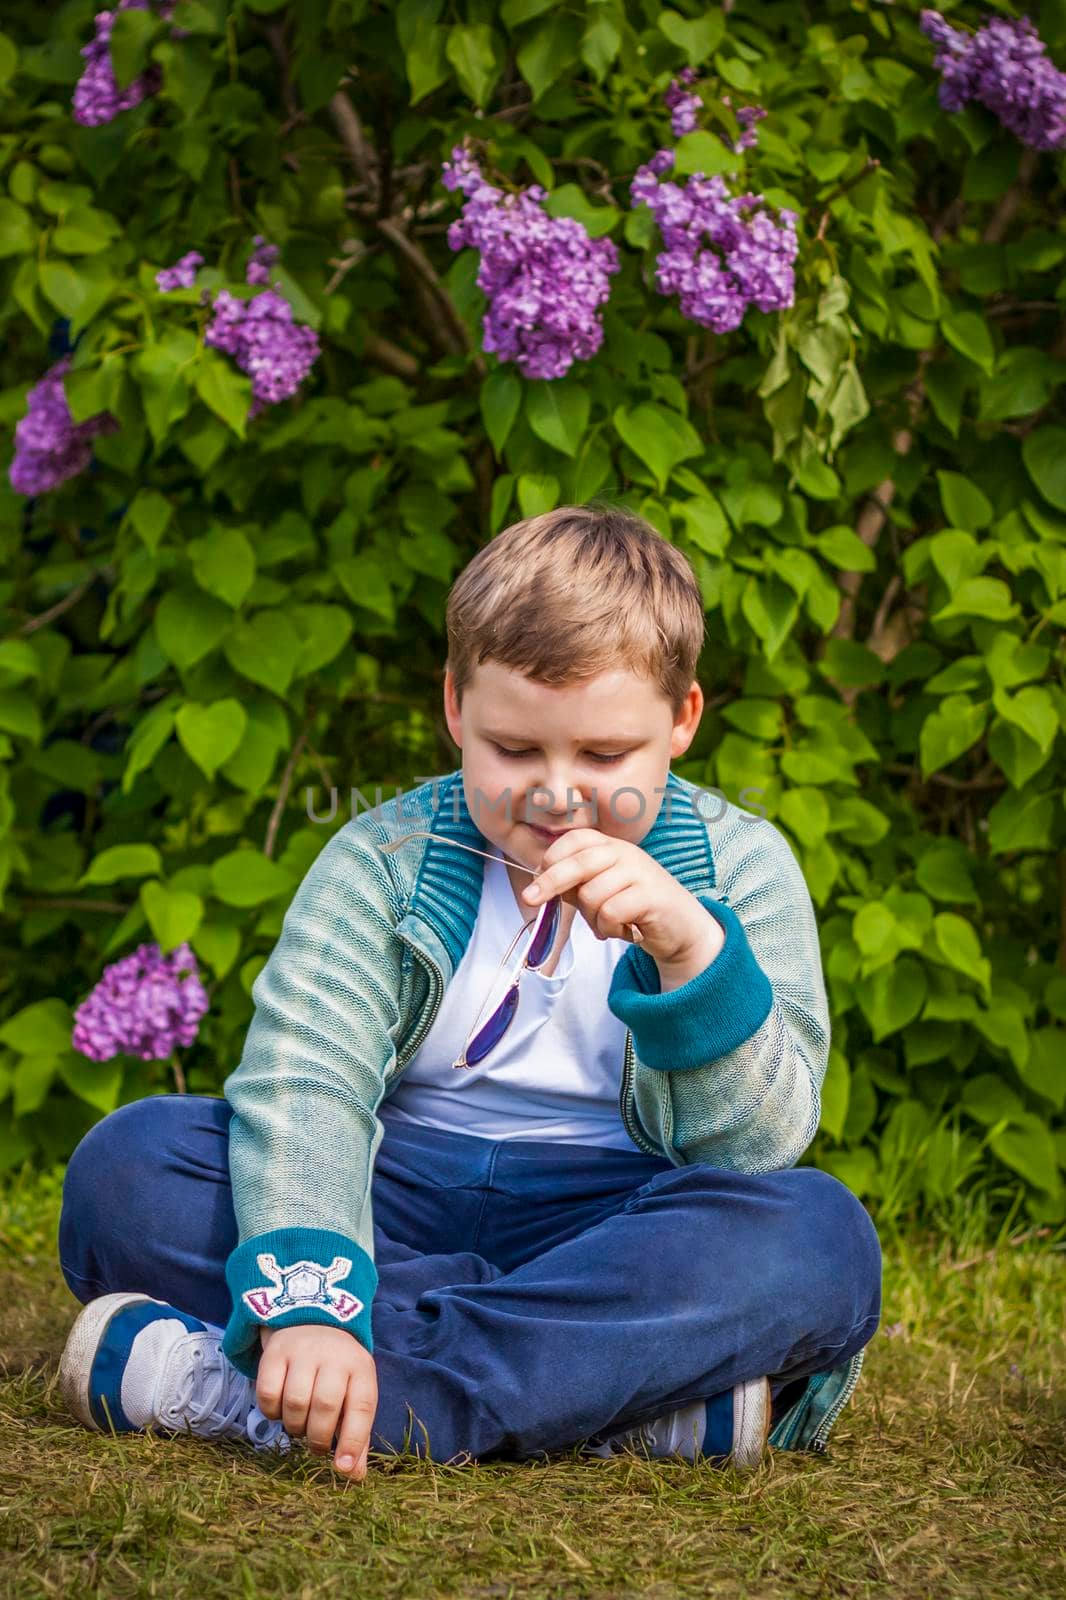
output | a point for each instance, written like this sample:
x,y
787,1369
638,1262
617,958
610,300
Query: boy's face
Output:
x,y
561,736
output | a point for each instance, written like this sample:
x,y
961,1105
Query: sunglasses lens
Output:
x,y
545,937
494,1029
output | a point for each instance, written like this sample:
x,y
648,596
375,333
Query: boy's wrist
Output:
x,y
695,955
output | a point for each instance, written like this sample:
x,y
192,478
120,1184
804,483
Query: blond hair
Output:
x,y
575,592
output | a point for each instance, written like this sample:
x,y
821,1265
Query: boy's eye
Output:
x,y
604,759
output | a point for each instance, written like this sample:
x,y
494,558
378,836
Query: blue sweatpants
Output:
x,y
530,1294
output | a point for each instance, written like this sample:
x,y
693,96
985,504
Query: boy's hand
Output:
x,y
613,882
321,1382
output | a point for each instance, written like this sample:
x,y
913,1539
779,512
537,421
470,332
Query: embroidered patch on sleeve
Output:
x,y
302,1286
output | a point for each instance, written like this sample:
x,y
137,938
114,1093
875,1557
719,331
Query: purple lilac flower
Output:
x,y
97,97
750,258
49,446
684,108
144,1005
261,260
747,116
182,274
276,352
1004,66
544,276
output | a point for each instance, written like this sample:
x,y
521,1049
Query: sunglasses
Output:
x,y
544,924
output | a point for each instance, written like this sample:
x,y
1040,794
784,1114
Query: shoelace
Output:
x,y
211,1399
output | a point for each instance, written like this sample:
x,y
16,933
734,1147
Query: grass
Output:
x,y
945,1475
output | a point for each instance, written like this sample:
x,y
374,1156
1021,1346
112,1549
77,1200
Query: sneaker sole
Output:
x,y
751,1423
79,1353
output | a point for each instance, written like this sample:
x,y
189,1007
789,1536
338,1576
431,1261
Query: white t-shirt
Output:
x,y
556,1073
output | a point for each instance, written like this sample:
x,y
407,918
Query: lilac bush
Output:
x,y
1004,66
49,446
266,342
544,276
263,257
182,274
723,252
97,97
145,1005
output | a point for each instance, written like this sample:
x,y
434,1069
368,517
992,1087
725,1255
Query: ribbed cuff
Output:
x,y
291,1276
705,1018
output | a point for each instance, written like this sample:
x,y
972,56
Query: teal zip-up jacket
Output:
x,y
726,1069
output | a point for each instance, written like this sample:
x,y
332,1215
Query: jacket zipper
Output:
x,y
623,1101
817,1444
411,1045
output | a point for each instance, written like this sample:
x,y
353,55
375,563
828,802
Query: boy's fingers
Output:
x,y
327,1398
299,1381
353,1441
270,1383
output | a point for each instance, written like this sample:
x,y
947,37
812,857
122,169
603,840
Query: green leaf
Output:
x,y
131,34
1021,821
944,873
771,607
78,292
31,1081
123,861
965,506
700,151
662,439
558,413
1027,1147
969,334
947,732
225,389
892,996
842,547
1043,1071
44,1027
704,522
19,715
173,914
266,650
471,49
1033,711
425,61
218,944
979,597
698,38
163,372
500,399
325,630
537,492
189,625
961,948
1016,755
365,581
17,231
98,1083
600,44
835,1094
150,514
223,564
1044,454
210,734
570,200
247,878
548,52
188,70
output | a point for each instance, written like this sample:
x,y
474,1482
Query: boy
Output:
x,y
432,1221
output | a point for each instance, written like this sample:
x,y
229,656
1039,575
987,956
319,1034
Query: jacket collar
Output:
x,y
447,893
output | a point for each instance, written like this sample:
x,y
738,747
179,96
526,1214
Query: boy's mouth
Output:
x,y
546,833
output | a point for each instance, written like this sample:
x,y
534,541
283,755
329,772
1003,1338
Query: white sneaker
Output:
x,y
731,1430
131,1363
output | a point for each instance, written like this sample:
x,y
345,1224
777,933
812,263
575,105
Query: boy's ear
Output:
x,y
452,714
687,721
